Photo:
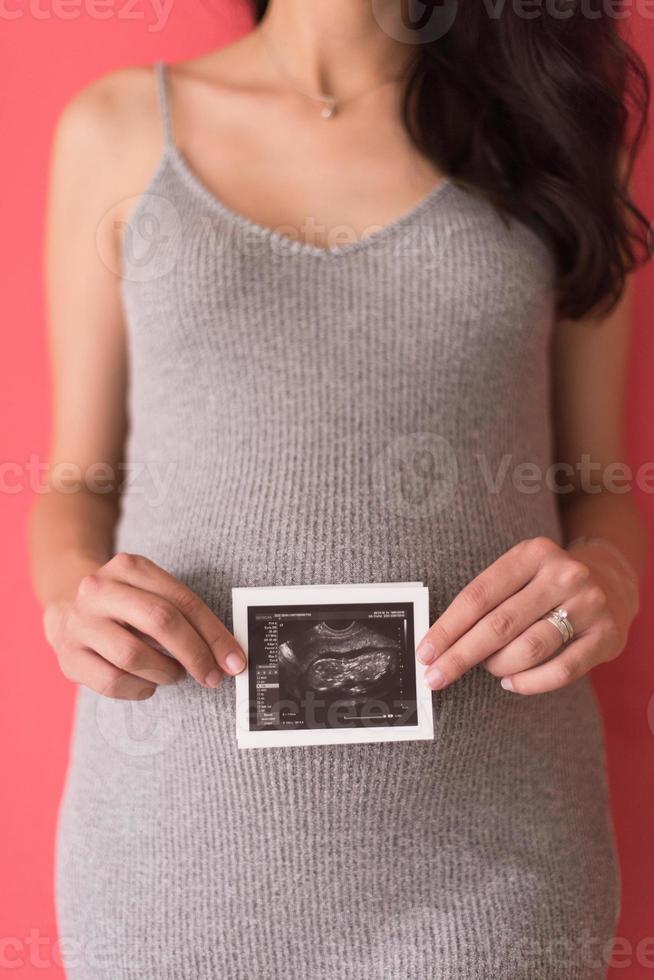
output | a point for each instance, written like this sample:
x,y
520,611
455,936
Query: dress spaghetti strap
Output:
x,y
164,102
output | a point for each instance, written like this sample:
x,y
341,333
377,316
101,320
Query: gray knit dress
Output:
x,y
353,415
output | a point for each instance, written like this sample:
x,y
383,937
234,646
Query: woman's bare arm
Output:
x,y
590,361
72,532
86,596
498,619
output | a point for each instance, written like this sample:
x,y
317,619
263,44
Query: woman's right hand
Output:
x,y
101,636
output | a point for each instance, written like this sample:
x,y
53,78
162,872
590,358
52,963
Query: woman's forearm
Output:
x,y
71,535
605,532
609,516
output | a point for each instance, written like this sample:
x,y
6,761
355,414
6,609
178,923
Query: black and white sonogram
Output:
x,y
330,666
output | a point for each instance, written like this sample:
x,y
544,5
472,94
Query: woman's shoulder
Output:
x,y
109,134
110,107
123,105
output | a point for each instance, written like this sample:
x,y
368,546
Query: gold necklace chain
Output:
x,y
330,105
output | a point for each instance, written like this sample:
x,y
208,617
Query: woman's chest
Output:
x,y
452,296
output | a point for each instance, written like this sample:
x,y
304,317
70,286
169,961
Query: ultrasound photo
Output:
x,y
331,671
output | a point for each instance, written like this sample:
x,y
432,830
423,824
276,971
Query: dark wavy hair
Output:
x,y
543,115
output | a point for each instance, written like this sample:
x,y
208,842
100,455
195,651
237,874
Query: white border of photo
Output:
x,y
311,595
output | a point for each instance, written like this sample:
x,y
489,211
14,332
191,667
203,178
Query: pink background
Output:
x,y
48,51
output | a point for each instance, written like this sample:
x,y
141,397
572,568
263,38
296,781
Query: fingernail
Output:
x,y
146,693
213,678
235,663
435,679
426,652
507,683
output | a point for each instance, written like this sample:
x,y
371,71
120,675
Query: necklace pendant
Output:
x,y
328,110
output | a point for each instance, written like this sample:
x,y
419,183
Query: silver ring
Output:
x,y
559,618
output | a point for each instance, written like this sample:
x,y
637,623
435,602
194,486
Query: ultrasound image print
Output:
x,y
332,666
348,661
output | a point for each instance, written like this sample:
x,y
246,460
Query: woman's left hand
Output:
x,y
497,619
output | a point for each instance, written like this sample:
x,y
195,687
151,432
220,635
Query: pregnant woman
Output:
x,y
346,301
